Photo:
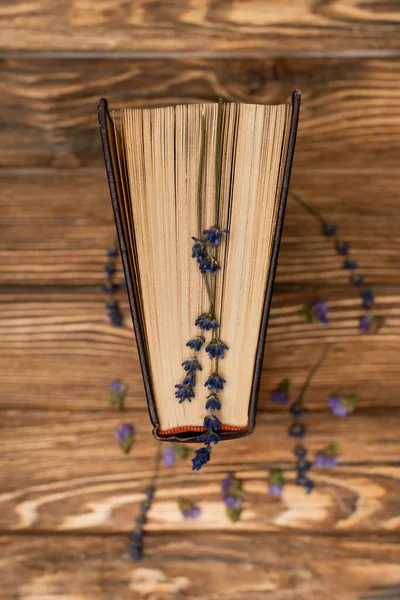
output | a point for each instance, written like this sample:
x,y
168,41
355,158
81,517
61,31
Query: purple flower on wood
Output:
x,y
275,489
364,323
328,457
276,482
188,508
281,394
320,312
117,387
124,436
169,455
341,406
190,378
325,462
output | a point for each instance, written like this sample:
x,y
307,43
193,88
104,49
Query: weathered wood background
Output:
x,y
67,494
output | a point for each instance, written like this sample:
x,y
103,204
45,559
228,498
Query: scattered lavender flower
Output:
x,y
281,394
184,392
188,508
342,248
213,402
135,542
320,312
215,382
192,364
364,323
202,456
216,349
328,457
169,455
372,323
214,235
276,482
117,394
124,435
233,496
207,321
341,406
196,343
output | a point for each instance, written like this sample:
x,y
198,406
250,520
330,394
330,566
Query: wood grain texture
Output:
x,y
181,27
58,224
77,479
349,108
193,567
59,350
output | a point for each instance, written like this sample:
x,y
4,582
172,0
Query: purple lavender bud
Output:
x,y
336,406
117,387
325,462
124,436
188,508
279,397
364,323
275,489
169,455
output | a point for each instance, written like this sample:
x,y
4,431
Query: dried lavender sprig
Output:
x,y
110,287
215,348
135,541
343,249
298,430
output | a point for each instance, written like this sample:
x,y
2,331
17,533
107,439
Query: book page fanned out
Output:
x,y
158,154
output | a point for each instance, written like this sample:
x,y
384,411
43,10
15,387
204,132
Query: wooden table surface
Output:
x,y
68,495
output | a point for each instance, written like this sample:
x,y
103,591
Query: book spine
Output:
x,y
103,116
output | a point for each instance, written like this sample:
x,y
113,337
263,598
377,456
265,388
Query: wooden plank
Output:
x,y
60,351
63,471
196,566
349,115
247,26
58,225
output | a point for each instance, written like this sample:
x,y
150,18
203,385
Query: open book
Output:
x,y
200,306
